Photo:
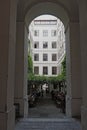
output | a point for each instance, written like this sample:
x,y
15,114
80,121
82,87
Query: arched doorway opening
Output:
x,y
15,75
71,23
46,80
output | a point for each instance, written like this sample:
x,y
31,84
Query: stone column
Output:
x,y
83,36
21,68
73,98
7,63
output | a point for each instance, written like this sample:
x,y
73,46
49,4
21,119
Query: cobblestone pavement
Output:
x,y
47,124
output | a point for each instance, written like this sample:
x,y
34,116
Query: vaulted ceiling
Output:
x,y
26,8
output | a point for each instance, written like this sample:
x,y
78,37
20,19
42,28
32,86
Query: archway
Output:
x,y
7,37
45,68
71,23
74,9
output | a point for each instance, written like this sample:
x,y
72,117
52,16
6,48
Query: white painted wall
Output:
x,y
59,38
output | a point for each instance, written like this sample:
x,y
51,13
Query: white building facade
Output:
x,y
47,46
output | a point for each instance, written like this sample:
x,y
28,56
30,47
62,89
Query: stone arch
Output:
x,y
69,8
70,19
75,9
47,8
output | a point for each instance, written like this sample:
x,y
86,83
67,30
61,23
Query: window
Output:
x,y
54,44
36,70
53,33
36,44
54,57
45,33
36,33
45,44
45,57
45,70
36,57
54,70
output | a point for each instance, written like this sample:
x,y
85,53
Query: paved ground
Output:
x,y
46,116
45,108
47,124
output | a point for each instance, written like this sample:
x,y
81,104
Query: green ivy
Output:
x,y
62,76
30,65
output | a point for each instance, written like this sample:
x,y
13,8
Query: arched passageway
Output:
x,y
13,62
71,23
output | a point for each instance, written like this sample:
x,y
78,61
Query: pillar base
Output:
x,y
73,107
84,117
23,106
7,120
76,107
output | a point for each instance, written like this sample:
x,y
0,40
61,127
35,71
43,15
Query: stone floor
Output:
x,y
45,108
47,124
46,116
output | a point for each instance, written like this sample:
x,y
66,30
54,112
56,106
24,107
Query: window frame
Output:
x,y
36,58
36,72
45,44
45,57
46,71
54,59
36,33
45,33
54,46
54,70
37,44
53,33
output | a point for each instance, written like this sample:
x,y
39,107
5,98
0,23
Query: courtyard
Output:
x,y
47,116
